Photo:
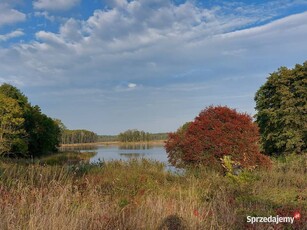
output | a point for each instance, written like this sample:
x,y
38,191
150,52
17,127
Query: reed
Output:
x,y
140,194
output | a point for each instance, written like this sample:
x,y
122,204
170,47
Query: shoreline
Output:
x,y
159,142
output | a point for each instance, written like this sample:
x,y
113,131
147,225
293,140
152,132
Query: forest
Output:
x,y
134,135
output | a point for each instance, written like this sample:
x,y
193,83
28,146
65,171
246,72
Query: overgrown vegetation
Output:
x,y
142,195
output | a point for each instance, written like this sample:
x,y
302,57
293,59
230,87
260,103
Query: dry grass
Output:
x,y
142,195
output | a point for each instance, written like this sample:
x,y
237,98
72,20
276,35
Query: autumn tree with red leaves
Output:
x,y
216,132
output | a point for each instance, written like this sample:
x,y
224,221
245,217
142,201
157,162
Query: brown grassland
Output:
x,y
143,195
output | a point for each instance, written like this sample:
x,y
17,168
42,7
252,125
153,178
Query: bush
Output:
x,y
216,132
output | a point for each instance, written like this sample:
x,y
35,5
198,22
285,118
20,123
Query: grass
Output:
x,y
142,195
67,158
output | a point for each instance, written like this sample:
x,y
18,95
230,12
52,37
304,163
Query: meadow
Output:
x,y
141,194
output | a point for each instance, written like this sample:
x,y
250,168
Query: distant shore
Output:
x,y
159,142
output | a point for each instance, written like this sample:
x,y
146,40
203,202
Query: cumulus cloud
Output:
x,y
154,39
55,5
155,57
46,15
13,34
10,15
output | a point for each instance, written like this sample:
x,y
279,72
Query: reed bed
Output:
x,y
141,194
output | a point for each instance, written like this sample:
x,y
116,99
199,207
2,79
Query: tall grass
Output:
x,y
142,195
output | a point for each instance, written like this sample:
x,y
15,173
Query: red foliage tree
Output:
x,y
216,132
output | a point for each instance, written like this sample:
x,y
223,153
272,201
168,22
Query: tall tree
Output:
x,y
41,132
11,127
282,111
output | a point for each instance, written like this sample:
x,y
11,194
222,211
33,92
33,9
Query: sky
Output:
x,y
112,65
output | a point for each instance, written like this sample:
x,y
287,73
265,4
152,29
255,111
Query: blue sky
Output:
x,y
112,65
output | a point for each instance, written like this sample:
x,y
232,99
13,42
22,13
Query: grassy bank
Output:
x,y
142,195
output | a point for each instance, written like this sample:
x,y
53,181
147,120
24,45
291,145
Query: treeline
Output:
x,y
134,135
85,136
24,130
78,136
107,138
158,136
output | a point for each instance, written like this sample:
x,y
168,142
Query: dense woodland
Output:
x,y
107,138
86,136
134,135
78,136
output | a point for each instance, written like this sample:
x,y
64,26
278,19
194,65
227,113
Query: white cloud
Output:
x,y
147,52
46,15
55,5
132,40
9,15
131,85
124,44
14,34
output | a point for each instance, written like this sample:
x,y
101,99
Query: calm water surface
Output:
x,y
116,152
126,152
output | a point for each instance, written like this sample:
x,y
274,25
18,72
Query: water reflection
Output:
x,y
132,155
122,152
126,152
78,148
135,146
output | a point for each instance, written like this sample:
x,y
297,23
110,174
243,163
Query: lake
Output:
x,y
124,152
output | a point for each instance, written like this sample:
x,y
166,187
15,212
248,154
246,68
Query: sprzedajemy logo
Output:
x,y
273,219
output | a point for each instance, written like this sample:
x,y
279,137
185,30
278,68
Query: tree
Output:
x,y
282,111
12,92
78,136
134,135
11,127
41,133
214,133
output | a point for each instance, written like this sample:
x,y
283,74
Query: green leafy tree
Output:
x,y
11,127
282,111
12,92
41,133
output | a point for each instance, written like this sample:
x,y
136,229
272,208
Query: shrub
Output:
x,y
216,132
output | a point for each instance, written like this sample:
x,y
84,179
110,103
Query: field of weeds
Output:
x,y
142,195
